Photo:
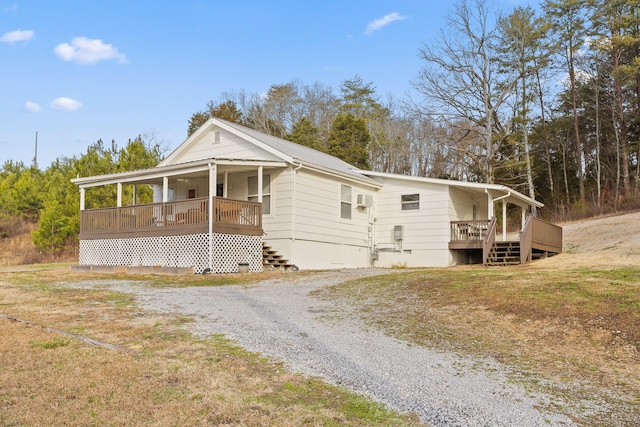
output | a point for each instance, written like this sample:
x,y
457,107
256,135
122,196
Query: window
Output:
x,y
266,192
345,202
410,202
192,193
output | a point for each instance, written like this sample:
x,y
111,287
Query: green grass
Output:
x,y
50,344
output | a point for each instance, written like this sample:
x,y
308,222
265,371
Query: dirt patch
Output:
x,y
599,242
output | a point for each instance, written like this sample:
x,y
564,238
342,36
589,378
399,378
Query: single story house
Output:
x,y
230,195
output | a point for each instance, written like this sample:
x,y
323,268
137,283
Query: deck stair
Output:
x,y
271,260
504,253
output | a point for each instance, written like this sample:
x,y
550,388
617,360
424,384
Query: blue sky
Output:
x,y
79,71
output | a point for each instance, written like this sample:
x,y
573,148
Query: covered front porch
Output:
x,y
204,215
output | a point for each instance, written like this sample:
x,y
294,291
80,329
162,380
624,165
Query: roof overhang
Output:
x,y
154,175
495,190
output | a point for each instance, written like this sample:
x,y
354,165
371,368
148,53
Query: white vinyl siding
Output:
x,y
465,206
426,230
229,146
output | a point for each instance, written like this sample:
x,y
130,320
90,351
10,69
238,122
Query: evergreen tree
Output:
x,y
349,140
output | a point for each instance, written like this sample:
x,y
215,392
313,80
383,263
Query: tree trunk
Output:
x,y
544,134
576,127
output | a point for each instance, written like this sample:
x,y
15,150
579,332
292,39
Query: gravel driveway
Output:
x,y
280,319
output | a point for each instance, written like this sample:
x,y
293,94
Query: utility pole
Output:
x,y
35,157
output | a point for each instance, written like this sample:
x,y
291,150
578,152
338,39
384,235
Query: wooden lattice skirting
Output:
x,y
191,250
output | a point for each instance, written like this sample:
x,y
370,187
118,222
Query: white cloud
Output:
x,y
383,22
88,51
66,104
11,8
17,36
32,107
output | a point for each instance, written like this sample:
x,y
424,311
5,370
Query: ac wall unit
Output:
x,y
364,200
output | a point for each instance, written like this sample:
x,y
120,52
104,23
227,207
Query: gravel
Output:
x,y
279,319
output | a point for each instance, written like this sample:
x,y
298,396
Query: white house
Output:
x,y
230,195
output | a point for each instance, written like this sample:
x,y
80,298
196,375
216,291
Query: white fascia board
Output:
x,y
502,189
236,162
160,172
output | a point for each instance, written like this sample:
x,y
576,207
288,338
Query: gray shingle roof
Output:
x,y
301,153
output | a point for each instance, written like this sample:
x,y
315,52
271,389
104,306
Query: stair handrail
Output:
x,y
488,240
526,239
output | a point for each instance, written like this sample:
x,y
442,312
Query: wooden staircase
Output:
x,y
504,253
271,260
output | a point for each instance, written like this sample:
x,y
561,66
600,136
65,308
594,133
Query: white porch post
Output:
x,y
489,206
523,213
119,203
504,220
135,196
165,189
259,184
81,198
212,193
225,185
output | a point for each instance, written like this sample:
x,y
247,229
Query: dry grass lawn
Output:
x,y
568,325
169,378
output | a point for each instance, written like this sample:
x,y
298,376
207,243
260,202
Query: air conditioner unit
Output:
x,y
364,201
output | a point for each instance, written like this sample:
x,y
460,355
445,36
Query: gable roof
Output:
x,y
287,151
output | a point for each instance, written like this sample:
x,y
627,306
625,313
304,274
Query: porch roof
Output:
x,y
155,175
496,190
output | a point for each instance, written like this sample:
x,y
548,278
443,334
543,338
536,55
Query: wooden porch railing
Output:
x,y
489,240
468,231
540,235
536,234
172,218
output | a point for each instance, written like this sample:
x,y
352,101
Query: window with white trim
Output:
x,y
345,201
252,185
410,202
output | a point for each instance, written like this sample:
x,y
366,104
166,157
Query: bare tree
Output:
x,y
460,79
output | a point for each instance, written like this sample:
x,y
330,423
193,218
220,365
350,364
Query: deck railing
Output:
x,y
489,240
540,235
468,231
172,218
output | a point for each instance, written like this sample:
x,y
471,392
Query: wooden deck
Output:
x,y
537,238
172,218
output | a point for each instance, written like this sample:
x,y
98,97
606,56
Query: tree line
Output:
x,y
49,198
546,101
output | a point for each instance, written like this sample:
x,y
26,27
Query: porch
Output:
x,y
536,239
173,218
202,234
